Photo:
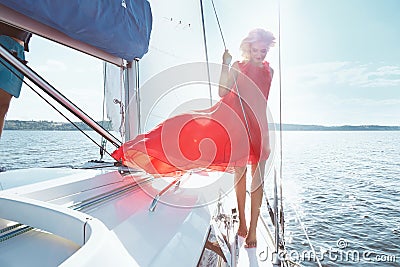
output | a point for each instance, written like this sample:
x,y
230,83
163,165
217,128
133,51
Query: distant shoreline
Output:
x,y
301,127
66,126
50,125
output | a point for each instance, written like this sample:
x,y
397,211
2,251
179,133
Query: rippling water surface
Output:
x,y
24,149
342,189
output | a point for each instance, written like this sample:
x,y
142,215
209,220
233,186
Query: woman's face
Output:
x,y
258,51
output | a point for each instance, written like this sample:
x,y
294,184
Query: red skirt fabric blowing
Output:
x,y
219,138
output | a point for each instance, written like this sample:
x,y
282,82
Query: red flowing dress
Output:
x,y
219,138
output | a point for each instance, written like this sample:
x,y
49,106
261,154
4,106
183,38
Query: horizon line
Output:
x,y
294,124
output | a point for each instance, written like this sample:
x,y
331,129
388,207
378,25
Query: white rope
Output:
x,y
206,50
306,234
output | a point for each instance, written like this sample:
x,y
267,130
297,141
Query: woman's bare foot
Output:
x,y
251,240
242,231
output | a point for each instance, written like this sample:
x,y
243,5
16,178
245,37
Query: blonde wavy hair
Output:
x,y
256,35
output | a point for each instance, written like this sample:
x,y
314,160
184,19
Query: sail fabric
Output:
x,y
119,27
231,133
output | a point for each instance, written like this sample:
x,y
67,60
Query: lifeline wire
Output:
x,y
63,115
306,234
282,217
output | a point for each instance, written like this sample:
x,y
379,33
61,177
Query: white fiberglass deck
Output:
x,y
70,213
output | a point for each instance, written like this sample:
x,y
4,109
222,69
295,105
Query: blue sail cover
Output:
x,y
119,27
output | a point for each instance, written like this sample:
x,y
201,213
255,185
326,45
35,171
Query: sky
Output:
x,y
340,59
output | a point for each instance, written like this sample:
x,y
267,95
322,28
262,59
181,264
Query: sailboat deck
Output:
x,y
117,207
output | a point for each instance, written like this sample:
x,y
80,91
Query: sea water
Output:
x,y
26,149
341,189
341,195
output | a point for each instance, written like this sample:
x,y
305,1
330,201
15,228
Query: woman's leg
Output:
x,y
5,99
257,187
240,188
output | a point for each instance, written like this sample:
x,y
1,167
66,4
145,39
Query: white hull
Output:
x,y
102,218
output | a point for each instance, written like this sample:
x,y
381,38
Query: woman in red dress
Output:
x,y
226,137
251,80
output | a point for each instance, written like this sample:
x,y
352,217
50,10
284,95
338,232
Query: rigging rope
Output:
x,y
103,140
306,234
282,218
270,211
219,25
137,96
206,50
56,109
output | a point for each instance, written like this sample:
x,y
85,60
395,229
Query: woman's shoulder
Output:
x,y
236,63
268,68
240,64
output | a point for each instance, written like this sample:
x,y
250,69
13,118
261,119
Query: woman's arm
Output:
x,y
226,79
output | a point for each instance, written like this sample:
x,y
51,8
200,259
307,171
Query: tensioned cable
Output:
x,y
306,234
281,144
56,109
56,95
103,140
282,218
137,88
219,25
206,50
83,205
271,213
